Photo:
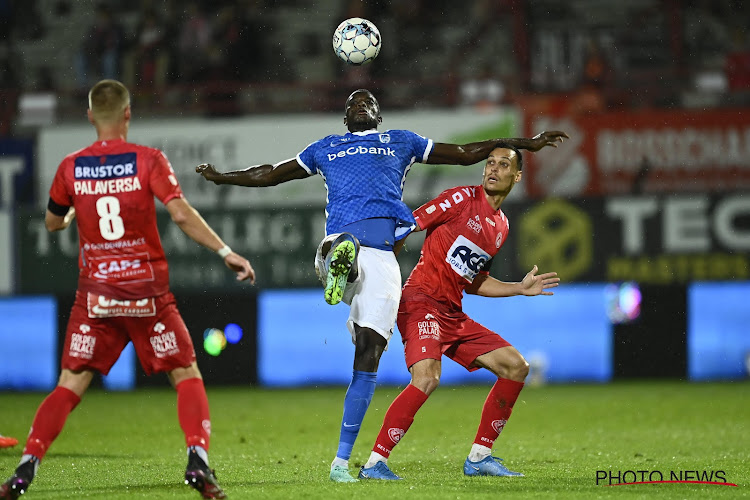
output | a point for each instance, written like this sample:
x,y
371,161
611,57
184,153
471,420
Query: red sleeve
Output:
x,y
164,183
439,210
58,192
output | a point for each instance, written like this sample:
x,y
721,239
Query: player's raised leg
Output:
x,y
511,369
340,261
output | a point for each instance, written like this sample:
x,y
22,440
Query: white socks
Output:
x,y
479,452
340,462
375,458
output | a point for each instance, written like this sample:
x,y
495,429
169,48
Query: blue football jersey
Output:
x,y
364,174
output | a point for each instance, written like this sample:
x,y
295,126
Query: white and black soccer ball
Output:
x,y
356,41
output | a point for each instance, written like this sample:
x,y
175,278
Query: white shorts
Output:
x,y
375,294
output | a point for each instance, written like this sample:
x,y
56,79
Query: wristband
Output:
x,y
224,251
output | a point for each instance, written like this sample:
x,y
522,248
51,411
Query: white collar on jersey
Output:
x,y
366,132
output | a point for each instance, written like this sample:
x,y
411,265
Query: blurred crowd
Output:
x,y
448,53
185,42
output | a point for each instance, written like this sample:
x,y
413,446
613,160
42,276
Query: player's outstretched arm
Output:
x,y
469,154
192,224
487,286
256,176
538,285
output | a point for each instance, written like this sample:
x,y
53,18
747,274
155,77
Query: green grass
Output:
x,y
279,444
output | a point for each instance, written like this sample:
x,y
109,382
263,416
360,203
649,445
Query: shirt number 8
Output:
x,y
110,222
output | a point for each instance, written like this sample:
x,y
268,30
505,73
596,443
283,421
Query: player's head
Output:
x,y
361,111
502,169
109,103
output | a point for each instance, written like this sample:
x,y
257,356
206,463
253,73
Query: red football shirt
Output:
x,y
112,185
463,234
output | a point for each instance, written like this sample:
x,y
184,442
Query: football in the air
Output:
x,y
356,41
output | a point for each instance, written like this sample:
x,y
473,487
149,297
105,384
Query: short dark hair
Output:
x,y
361,91
519,156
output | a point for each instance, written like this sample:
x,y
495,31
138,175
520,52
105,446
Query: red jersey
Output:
x,y
112,185
463,234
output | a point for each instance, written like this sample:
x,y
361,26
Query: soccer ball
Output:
x,y
356,41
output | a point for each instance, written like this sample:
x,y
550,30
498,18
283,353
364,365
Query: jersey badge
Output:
x,y
385,138
499,240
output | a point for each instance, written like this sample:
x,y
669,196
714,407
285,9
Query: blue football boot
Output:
x,y
490,466
378,471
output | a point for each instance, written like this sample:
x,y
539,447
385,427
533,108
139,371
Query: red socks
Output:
x,y
496,410
49,420
398,419
192,411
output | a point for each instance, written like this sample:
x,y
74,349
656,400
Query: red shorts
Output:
x,y
429,333
99,329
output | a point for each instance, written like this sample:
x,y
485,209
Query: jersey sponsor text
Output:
x,y
429,329
164,344
110,245
105,171
362,150
103,307
81,346
122,268
466,258
105,167
474,225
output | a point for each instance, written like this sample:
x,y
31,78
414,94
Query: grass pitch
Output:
x,y
279,443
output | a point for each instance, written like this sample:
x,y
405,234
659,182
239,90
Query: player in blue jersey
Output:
x,y
364,171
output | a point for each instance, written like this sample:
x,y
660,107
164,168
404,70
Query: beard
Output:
x,y
362,122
